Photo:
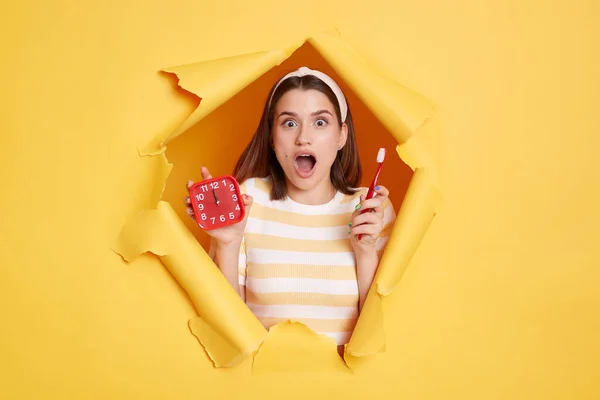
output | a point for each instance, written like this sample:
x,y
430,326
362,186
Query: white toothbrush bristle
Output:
x,y
381,155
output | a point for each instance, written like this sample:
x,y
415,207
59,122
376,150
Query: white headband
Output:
x,y
303,71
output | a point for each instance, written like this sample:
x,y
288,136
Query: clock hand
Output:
x,y
216,197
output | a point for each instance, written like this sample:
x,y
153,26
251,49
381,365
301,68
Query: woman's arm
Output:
x,y
366,266
227,259
226,241
372,225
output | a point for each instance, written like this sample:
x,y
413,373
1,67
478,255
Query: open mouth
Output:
x,y
305,164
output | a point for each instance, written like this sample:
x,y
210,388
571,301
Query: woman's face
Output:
x,y
306,137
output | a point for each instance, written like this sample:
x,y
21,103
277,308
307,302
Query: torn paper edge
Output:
x,y
189,265
307,330
414,164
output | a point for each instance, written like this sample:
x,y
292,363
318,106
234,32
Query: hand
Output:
x,y
227,234
369,224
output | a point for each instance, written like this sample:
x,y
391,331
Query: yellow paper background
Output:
x,y
501,300
385,114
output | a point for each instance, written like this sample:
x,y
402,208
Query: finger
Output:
x,y
356,236
248,200
365,229
189,184
382,191
187,200
189,211
205,173
358,207
366,218
383,194
372,204
360,201
378,209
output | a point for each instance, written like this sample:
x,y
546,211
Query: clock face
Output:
x,y
217,202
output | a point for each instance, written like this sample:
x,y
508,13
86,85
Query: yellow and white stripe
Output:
x,y
297,263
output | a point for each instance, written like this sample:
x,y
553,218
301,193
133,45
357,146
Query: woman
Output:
x,y
296,255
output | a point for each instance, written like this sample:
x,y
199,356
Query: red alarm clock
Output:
x,y
217,202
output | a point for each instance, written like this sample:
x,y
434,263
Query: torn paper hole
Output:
x,y
386,114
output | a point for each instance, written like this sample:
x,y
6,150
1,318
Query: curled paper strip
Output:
x,y
226,327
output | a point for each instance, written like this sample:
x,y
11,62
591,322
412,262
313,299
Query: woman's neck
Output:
x,y
322,193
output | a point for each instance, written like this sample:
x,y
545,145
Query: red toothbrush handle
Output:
x,y
371,194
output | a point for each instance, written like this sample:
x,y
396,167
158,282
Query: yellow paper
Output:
x,y
305,352
501,298
225,326
215,81
230,338
411,225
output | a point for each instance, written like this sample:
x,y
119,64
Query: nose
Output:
x,y
303,137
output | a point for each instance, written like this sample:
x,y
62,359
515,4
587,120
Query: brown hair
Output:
x,y
259,160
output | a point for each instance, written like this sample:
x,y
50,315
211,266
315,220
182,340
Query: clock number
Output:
x,y
213,186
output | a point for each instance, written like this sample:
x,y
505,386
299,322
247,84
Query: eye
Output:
x,y
289,123
321,122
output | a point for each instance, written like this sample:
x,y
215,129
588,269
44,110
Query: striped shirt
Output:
x,y
297,262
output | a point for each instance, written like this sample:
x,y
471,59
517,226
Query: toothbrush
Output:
x,y
371,192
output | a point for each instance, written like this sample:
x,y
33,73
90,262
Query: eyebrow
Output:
x,y
293,114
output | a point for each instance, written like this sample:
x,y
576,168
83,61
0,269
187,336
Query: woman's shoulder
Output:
x,y
352,198
254,185
357,192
